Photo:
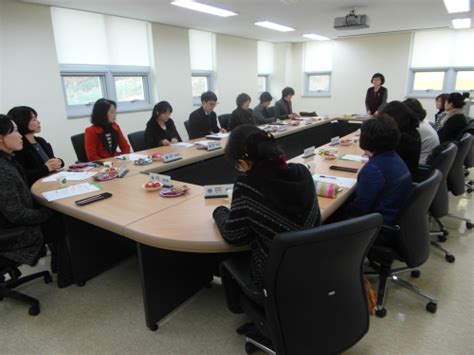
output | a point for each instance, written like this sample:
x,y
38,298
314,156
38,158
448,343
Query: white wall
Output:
x,y
282,69
236,71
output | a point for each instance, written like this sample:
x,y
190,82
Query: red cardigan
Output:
x,y
93,143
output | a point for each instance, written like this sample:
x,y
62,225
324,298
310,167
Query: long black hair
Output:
x,y
161,107
406,119
100,110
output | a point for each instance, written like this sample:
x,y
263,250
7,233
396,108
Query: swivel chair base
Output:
x,y
467,220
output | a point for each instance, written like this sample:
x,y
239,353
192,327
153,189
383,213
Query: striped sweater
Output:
x,y
265,202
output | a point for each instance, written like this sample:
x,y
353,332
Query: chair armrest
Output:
x,y
8,236
387,228
239,268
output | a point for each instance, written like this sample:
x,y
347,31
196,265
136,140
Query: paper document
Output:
x,y
202,143
219,135
133,156
353,157
182,145
70,191
342,182
71,176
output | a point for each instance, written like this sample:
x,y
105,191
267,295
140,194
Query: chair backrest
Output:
x,y
224,120
191,134
469,160
315,299
137,140
413,238
443,162
456,180
79,147
271,111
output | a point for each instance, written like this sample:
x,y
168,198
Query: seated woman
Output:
x,y
17,208
409,147
160,129
429,137
242,114
385,181
441,114
260,112
36,157
269,198
104,136
284,106
454,122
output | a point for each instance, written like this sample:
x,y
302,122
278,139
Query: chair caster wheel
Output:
x,y
415,273
1,298
250,348
468,225
431,307
34,310
81,283
445,232
245,328
381,312
48,279
469,190
442,238
450,258
153,327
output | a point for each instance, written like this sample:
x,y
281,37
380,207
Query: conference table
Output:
x,y
177,242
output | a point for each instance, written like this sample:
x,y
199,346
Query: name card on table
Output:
x,y
165,180
309,152
334,141
213,145
214,191
169,157
282,128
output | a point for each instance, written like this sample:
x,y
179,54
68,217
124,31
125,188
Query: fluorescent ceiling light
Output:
x,y
196,6
315,37
459,23
274,26
454,6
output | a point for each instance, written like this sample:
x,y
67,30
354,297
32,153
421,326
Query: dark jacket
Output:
x,y
202,124
261,116
283,109
240,116
382,186
409,149
154,134
375,101
452,128
18,210
265,202
31,161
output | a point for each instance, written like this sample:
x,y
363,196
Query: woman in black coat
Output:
x,y
454,122
160,129
37,156
242,114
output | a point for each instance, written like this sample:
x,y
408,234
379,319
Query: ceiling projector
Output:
x,y
351,21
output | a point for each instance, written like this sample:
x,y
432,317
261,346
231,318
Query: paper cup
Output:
x,y
61,180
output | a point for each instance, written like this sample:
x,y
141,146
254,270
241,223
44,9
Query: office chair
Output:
x,y
271,111
78,145
191,134
456,178
411,232
137,140
469,161
441,158
224,120
313,298
10,268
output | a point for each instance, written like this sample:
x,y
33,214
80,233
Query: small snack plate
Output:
x,y
174,191
151,186
110,174
329,156
143,161
345,142
157,157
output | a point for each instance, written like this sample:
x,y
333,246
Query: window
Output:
x,y
202,53
432,71
263,83
317,68
102,56
265,65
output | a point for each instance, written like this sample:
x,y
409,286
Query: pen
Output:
x,y
328,177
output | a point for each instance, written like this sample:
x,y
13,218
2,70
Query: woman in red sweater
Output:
x,y
104,136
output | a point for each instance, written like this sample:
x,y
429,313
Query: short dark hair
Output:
x,y
21,115
208,96
265,97
6,125
456,99
251,143
406,119
242,98
443,98
379,134
287,91
99,112
161,107
380,76
417,108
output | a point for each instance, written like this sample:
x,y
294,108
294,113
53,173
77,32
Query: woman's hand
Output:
x,y
174,141
53,164
165,142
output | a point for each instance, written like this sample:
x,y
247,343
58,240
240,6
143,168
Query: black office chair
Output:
x,y
441,158
137,140
191,134
78,145
469,161
411,233
224,120
313,300
10,268
456,178
271,111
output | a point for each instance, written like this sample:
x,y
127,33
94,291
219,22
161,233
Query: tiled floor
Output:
x,y
106,316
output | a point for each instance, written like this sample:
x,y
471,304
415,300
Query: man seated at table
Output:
x,y
283,107
203,121
260,112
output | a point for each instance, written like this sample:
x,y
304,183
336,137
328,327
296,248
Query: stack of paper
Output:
x,y
71,176
182,145
353,157
69,191
219,135
132,156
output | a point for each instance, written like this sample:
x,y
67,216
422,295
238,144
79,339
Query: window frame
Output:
x,y
267,82
456,71
209,74
318,93
107,74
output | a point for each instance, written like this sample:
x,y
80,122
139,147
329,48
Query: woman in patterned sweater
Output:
x,y
269,198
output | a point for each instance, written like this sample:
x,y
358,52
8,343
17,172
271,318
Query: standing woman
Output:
x,y
36,157
160,129
454,121
104,136
376,96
